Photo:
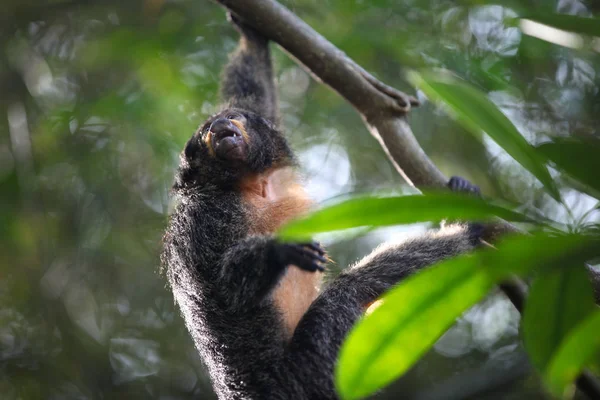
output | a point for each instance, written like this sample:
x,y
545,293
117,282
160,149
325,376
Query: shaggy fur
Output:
x,y
251,303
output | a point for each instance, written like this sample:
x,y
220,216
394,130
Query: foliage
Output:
x,y
478,113
375,211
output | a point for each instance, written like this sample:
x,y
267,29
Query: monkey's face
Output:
x,y
226,138
230,145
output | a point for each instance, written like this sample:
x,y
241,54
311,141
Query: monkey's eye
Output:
x,y
204,130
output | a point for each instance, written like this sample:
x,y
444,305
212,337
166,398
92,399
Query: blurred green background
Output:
x,y
98,97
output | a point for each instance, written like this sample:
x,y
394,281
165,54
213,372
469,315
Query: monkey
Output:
x,y
253,304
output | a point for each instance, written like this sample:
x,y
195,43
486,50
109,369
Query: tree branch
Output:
x,y
383,109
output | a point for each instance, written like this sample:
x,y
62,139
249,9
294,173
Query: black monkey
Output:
x,y
251,303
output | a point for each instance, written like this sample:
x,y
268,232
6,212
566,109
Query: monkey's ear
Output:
x,y
191,148
270,124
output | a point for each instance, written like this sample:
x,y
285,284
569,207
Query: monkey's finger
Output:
x,y
309,265
320,258
320,268
306,259
414,101
316,247
309,253
458,184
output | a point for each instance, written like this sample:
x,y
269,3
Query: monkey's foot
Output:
x,y
306,256
458,184
401,102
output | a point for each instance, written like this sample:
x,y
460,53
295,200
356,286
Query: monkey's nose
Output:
x,y
226,140
222,128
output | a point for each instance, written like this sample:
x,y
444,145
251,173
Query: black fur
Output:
x,y
222,277
248,78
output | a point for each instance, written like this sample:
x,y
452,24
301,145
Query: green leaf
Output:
x,y
387,342
580,348
580,159
478,113
415,314
386,211
558,300
571,23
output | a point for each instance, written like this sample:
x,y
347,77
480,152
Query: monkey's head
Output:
x,y
229,146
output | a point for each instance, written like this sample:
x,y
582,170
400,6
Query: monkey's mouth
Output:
x,y
229,144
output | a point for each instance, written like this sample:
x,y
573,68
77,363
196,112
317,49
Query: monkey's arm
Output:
x,y
252,268
323,328
247,80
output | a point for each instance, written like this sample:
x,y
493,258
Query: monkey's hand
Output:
x,y
307,256
253,267
246,30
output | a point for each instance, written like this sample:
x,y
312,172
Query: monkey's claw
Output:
x,y
475,231
458,184
307,256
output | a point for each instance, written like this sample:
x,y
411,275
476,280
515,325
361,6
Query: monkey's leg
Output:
x,y
251,269
247,80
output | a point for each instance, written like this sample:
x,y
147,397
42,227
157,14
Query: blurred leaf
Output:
x,y
578,349
386,211
558,300
386,343
580,159
478,113
571,23
522,255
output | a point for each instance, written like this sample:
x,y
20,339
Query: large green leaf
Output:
x,y
579,159
415,314
572,23
478,113
386,343
559,299
579,348
386,211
